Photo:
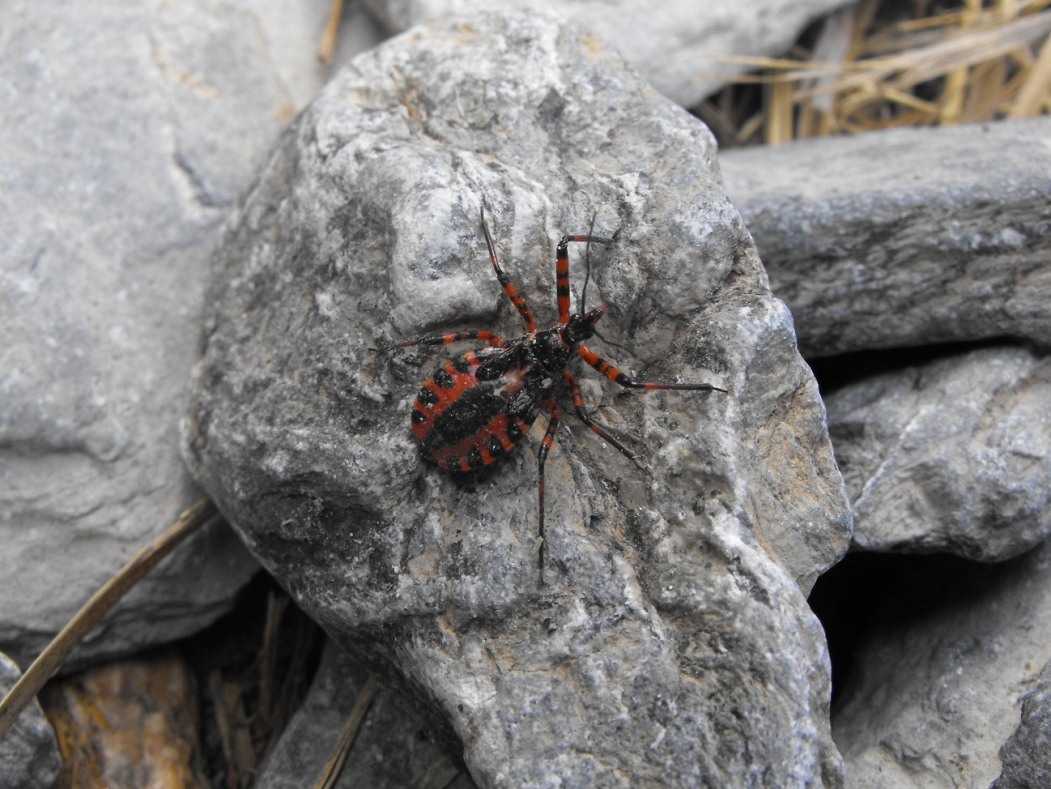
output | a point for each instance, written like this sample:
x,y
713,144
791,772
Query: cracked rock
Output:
x,y
952,456
946,240
672,644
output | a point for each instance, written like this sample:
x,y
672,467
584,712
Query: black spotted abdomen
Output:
x,y
464,422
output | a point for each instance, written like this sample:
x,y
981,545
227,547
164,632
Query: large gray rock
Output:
x,y
129,128
905,237
942,680
1026,755
952,456
29,755
683,49
672,644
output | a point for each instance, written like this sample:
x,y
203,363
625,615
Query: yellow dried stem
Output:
x,y
948,19
986,92
975,63
807,122
829,124
909,100
852,104
750,128
1014,85
1005,9
779,113
1033,94
50,660
956,80
951,107
348,733
327,47
955,52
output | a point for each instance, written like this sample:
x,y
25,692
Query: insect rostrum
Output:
x,y
478,405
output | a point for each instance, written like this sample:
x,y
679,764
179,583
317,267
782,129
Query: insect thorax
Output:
x,y
548,351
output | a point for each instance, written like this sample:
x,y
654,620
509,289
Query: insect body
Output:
x,y
473,411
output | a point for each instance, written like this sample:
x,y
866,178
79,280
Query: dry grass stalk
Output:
x,y
329,37
978,62
84,621
334,765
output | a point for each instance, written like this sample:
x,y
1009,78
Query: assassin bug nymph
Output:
x,y
473,410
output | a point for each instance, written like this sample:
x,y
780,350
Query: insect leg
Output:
x,y
618,377
505,281
541,457
451,337
600,430
562,269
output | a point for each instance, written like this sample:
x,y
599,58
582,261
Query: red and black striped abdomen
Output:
x,y
464,422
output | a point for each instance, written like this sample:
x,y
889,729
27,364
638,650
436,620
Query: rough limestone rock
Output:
x,y
130,127
678,46
672,644
29,755
952,456
942,682
948,239
391,749
1026,756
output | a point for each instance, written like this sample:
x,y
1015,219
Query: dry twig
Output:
x,y
971,64
51,659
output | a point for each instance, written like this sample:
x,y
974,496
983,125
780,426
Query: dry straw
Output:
x,y
866,71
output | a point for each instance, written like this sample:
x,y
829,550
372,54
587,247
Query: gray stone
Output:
x,y
1026,755
905,237
951,456
392,748
680,47
129,128
939,685
29,755
672,644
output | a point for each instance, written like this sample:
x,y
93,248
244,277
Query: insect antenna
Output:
x,y
587,265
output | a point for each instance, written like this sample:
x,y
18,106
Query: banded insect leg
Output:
x,y
598,429
619,377
510,289
450,337
541,458
562,269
